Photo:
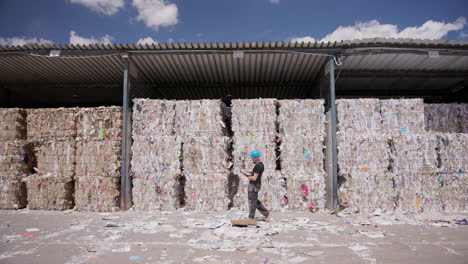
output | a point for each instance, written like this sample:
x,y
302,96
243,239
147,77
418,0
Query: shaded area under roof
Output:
x,y
93,75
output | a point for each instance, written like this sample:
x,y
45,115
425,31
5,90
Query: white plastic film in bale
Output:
x,y
198,118
97,194
99,123
49,192
12,124
156,171
359,116
56,157
153,117
98,158
51,124
402,116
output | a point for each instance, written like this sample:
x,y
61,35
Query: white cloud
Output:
x,y
170,40
373,29
20,41
75,39
156,13
147,40
106,7
275,1
302,39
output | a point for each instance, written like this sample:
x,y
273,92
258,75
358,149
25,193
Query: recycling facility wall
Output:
x,y
396,155
387,160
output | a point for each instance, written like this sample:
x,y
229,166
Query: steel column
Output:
x,y
125,187
331,164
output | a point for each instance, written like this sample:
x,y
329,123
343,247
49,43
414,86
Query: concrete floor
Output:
x,y
181,237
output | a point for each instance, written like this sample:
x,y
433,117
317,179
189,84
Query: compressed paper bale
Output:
x,y
49,192
443,117
256,116
51,124
156,170
198,118
12,193
453,152
99,123
98,158
364,192
402,116
153,117
12,123
359,116
415,193
156,155
16,158
272,191
243,145
205,155
152,194
464,118
56,157
363,153
453,192
302,154
303,117
304,192
97,194
206,192
415,153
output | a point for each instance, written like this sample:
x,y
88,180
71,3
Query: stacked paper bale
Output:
x,y
363,156
453,171
415,163
443,117
254,127
53,132
98,158
402,116
200,125
156,154
16,158
363,161
302,130
464,118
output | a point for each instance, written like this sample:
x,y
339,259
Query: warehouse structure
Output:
x,y
51,76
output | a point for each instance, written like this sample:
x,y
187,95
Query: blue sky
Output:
x,y
130,21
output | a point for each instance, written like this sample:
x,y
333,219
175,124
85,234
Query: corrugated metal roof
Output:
x,y
387,42
209,70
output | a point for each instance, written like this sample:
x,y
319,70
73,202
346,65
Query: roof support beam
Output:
x,y
331,163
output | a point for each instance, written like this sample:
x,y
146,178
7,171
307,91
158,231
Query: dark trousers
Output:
x,y
255,204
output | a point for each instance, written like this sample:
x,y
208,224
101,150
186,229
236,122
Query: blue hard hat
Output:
x,y
255,154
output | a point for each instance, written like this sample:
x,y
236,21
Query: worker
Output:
x,y
255,183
